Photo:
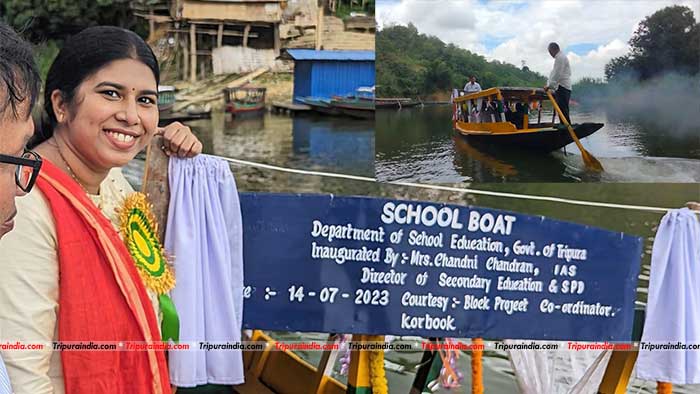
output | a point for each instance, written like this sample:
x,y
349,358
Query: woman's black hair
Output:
x,y
81,57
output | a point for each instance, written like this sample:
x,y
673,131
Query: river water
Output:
x,y
419,145
347,146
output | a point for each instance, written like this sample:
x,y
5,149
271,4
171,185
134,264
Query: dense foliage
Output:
x,y
666,41
414,64
345,7
45,20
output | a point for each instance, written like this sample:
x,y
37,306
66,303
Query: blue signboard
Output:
x,y
377,266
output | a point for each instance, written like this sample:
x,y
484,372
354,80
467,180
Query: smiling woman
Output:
x,y
100,103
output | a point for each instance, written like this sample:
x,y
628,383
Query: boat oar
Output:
x,y
588,159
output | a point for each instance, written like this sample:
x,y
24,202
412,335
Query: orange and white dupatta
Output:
x,y
101,298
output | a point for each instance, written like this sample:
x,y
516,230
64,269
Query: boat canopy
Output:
x,y
507,93
246,88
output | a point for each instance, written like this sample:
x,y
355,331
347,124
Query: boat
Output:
x,y
354,107
395,102
166,98
501,115
358,105
191,112
244,100
320,105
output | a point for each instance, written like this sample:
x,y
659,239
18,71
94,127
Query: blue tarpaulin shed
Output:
x,y
324,74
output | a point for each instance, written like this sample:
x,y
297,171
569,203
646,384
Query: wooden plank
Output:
x,y
193,53
185,59
155,183
228,22
213,32
246,31
277,43
151,26
178,64
220,35
618,371
247,78
325,366
249,12
319,28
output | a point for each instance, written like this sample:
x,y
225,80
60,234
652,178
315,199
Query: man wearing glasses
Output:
x,y
19,87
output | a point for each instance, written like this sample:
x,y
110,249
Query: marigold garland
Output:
x,y
664,388
377,373
477,367
139,229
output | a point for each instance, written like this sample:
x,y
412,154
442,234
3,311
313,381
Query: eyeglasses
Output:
x,y
28,167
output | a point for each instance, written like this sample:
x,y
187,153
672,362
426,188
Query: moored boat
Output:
x,y
502,116
319,105
244,100
395,102
354,107
166,98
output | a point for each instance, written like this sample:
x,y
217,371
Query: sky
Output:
x,y
591,32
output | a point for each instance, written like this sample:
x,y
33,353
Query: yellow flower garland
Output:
x,y
377,373
139,230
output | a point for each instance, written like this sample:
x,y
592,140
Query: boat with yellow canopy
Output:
x,y
505,116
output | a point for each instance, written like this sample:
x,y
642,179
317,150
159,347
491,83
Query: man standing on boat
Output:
x,y
472,86
560,79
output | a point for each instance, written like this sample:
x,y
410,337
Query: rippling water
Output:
x,y
418,144
344,145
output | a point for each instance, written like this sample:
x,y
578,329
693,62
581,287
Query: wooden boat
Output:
x,y
398,102
244,99
354,107
501,116
166,98
192,112
320,105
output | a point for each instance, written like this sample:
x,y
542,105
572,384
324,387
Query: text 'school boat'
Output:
x,y
502,116
273,370
244,99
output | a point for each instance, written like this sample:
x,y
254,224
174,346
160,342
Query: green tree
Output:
x,y
43,20
437,76
668,40
617,67
413,64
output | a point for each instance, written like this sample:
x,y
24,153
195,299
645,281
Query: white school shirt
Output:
x,y
561,72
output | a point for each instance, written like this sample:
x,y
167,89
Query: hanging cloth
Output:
x,y
560,371
205,235
673,305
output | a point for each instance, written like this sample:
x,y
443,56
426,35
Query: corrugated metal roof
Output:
x,y
310,54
